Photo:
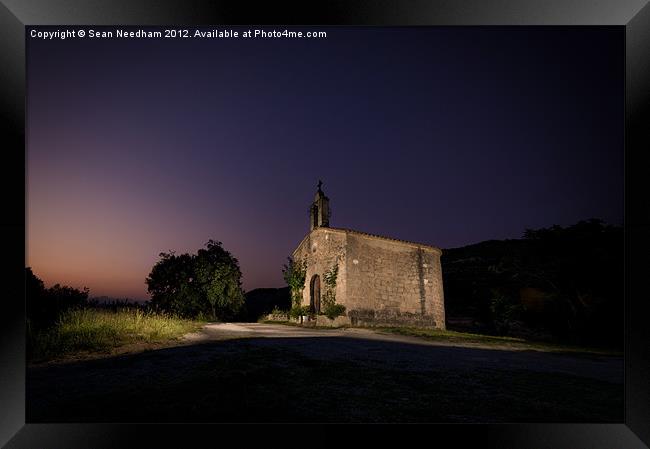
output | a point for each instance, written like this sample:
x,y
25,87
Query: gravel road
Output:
x,y
268,372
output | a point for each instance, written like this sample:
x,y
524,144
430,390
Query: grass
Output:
x,y
490,340
92,330
462,338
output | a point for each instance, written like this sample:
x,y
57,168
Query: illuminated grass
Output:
x,y
490,340
452,336
465,338
91,330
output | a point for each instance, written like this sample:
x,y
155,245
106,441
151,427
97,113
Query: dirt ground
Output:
x,y
274,373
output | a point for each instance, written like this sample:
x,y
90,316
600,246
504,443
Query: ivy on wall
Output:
x,y
330,308
329,295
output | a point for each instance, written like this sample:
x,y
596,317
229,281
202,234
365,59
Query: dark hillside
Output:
x,y
557,283
261,301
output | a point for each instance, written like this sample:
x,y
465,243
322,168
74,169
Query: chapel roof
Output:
x,y
367,234
383,237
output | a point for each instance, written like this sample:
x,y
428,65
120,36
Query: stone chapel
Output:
x,y
379,280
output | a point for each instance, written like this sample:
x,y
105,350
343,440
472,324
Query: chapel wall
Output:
x,y
393,283
321,249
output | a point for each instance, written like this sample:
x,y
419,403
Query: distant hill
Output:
x,y
467,274
261,301
565,282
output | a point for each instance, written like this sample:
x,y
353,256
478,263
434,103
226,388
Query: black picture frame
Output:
x,y
633,15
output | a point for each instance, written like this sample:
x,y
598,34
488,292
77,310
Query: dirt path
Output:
x,y
448,354
266,372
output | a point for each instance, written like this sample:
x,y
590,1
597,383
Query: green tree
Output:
x,y
171,285
219,279
204,284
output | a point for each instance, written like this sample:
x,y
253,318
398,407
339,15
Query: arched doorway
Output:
x,y
314,293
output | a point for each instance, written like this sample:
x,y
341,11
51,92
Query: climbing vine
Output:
x,y
330,308
294,274
329,295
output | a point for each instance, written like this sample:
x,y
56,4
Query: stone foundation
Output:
x,y
277,317
381,281
369,317
322,320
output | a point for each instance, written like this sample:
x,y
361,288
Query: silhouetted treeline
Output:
x,y
114,304
563,283
44,305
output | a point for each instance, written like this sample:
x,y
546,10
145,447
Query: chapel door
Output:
x,y
315,293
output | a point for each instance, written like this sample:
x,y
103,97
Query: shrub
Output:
x,y
334,310
505,311
276,311
297,312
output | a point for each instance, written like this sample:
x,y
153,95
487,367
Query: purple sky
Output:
x,y
446,136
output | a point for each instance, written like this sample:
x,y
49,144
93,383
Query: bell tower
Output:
x,y
319,212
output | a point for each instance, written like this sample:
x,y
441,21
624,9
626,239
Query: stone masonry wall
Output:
x,y
322,248
393,283
380,281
